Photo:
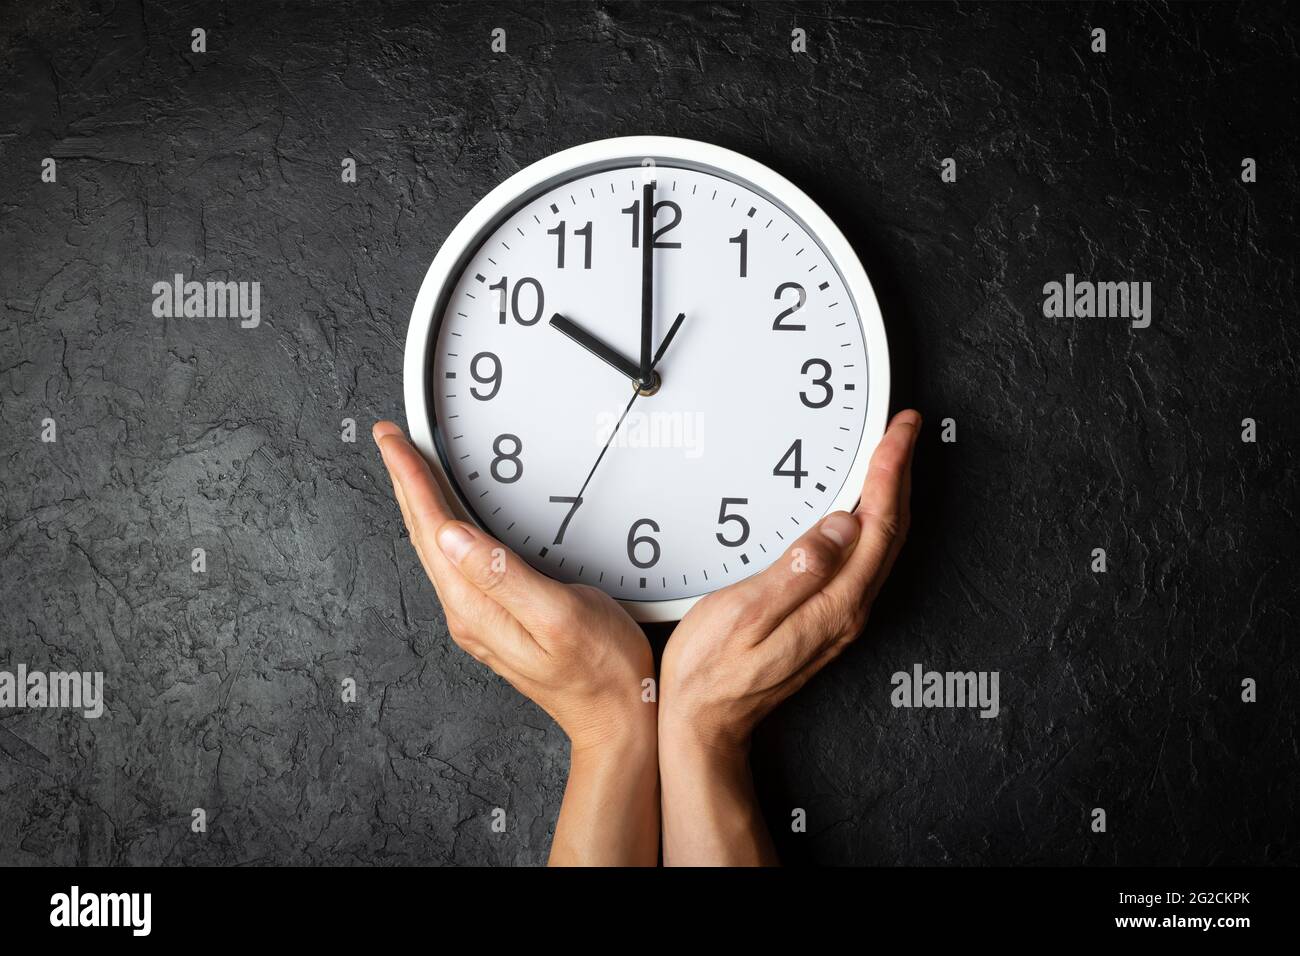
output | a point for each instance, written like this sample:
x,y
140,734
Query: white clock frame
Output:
x,y
666,151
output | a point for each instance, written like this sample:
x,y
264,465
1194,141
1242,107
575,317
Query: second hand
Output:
x,y
636,393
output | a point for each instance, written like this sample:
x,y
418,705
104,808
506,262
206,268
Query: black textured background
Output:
x,y
1119,691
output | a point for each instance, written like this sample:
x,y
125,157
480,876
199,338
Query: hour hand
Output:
x,y
596,347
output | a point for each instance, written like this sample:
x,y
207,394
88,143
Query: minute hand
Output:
x,y
647,281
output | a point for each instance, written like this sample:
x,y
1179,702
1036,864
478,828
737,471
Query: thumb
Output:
x,y
534,600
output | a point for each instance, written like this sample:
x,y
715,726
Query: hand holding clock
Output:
x,y
569,648
734,657
744,649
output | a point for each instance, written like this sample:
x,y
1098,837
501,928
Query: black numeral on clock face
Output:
x,y
558,233
634,542
780,325
824,382
723,518
634,211
742,240
509,457
795,451
539,300
574,504
493,378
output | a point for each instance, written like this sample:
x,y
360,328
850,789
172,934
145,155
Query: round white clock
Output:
x,y
647,364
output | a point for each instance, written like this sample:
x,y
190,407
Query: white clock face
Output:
x,y
762,393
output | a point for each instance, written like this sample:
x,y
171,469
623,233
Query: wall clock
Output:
x,y
647,364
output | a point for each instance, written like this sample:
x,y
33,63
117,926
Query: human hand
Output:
x,y
744,649
569,648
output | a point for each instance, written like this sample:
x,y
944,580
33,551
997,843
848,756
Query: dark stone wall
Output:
x,y
1119,690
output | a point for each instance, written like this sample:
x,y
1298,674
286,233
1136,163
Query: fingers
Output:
x,y
541,604
831,617
423,504
807,566
884,514
477,623
412,481
452,549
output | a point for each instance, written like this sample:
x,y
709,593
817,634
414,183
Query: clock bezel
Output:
x,y
627,151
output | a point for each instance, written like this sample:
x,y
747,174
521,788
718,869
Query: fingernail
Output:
x,y
909,417
383,429
455,541
841,527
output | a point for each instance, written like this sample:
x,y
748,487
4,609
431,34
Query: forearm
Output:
x,y
710,812
610,812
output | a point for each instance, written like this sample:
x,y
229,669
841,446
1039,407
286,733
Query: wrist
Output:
x,y
628,735
695,741
711,814
618,768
